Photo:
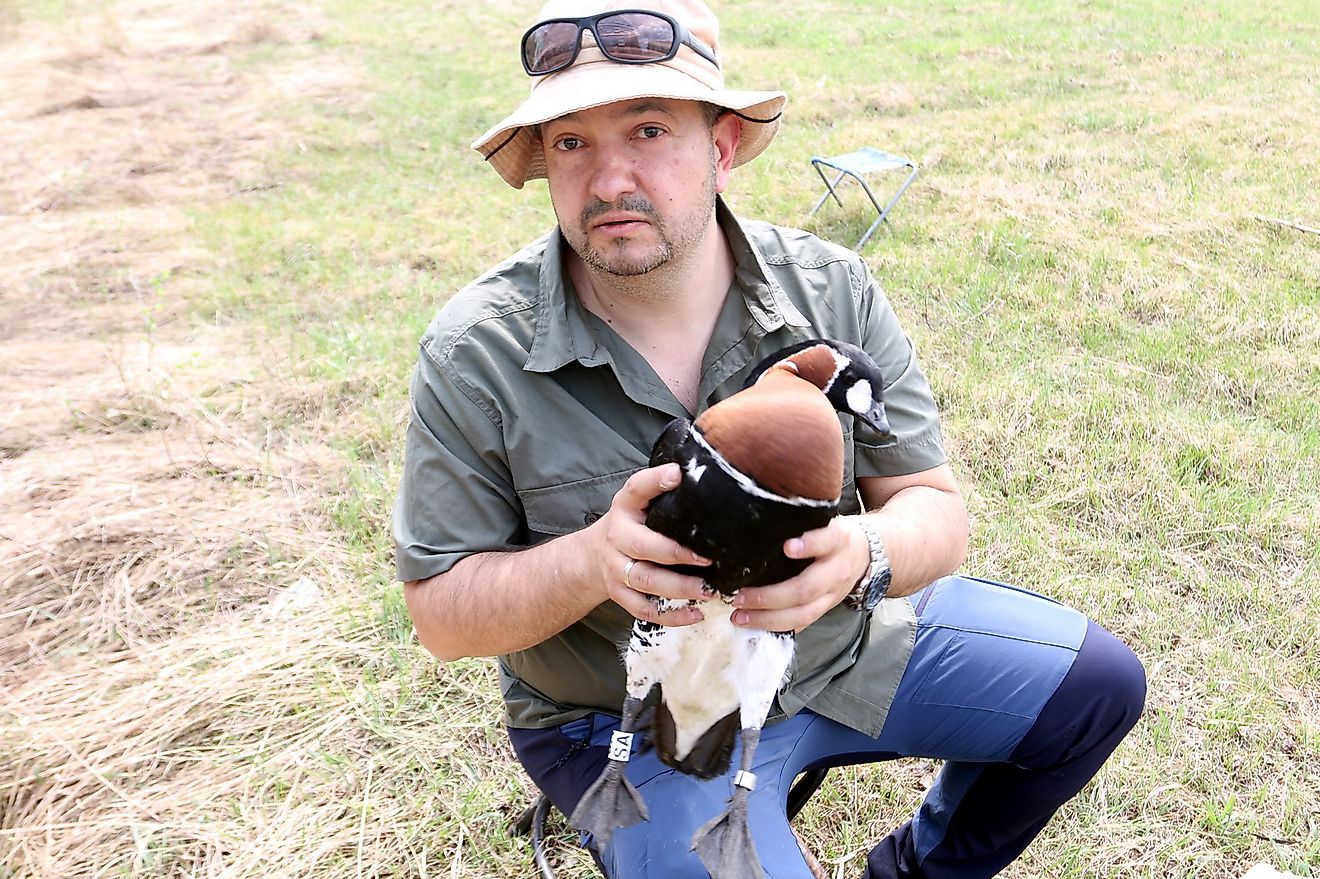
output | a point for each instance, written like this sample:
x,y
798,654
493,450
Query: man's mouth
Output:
x,y
618,224
627,216
618,220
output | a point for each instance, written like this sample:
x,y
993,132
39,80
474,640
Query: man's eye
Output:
x,y
651,131
567,143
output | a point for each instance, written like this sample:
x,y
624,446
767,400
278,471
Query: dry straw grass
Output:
x,y
111,125
117,538
159,713
152,694
141,664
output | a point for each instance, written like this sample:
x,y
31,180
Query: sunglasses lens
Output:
x,y
635,36
550,46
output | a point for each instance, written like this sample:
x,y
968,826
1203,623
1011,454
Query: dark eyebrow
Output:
x,y
632,110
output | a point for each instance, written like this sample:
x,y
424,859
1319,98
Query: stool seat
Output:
x,y
857,165
867,160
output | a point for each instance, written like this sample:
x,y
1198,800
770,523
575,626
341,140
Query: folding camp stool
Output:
x,y
857,164
532,820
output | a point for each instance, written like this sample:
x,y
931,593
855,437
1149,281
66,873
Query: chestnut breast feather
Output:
x,y
783,433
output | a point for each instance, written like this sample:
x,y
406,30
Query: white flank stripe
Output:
x,y
749,486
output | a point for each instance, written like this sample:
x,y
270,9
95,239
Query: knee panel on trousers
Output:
x,y
1096,704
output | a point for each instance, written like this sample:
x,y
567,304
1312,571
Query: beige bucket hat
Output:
x,y
513,148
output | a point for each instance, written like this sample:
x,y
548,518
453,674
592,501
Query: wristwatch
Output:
x,y
875,582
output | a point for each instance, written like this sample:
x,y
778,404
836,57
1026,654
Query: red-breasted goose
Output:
x,y
760,467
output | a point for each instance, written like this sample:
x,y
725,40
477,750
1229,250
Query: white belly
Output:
x,y
710,669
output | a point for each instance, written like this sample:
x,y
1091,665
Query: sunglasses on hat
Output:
x,y
628,36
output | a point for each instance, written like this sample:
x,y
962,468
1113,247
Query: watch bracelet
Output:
x,y
856,599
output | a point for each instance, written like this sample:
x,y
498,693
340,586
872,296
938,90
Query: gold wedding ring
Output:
x,y
627,573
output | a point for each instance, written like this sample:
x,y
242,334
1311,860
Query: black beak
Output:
x,y
877,420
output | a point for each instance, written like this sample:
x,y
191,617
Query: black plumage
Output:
x,y
744,539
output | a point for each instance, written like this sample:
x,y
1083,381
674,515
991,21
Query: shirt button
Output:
x,y
589,518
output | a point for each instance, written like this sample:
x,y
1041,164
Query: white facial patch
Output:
x,y
695,470
859,397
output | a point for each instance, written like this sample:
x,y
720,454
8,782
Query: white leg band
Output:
x,y
743,778
620,745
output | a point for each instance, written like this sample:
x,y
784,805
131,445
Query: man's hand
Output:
x,y
841,557
923,521
630,557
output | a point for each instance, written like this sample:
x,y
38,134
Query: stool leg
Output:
x,y
829,188
802,790
883,211
879,211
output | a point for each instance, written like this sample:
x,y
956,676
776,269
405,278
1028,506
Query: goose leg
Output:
x,y
725,844
612,801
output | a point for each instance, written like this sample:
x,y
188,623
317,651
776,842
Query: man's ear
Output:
x,y
725,135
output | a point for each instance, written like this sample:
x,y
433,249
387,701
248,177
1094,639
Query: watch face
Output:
x,y
872,596
876,589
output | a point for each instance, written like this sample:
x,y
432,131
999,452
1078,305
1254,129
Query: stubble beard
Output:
x,y
679,241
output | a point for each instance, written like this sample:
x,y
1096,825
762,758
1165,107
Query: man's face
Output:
x,y
633,183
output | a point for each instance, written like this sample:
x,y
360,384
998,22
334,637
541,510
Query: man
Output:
x,y
539,391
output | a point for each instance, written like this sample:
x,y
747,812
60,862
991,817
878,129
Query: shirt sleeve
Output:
x,y
456,497
918,443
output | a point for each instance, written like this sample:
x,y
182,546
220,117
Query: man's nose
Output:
x,y
614,175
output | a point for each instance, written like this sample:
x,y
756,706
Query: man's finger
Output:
x,y
653,579
646,485
793,619
644,608
655,547
776,596
814,544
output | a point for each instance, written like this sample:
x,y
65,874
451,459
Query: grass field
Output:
x,y
222,231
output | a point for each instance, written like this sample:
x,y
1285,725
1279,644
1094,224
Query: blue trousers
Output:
x,y
1022,697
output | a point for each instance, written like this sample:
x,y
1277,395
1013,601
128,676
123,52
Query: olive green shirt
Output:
x,y
529,413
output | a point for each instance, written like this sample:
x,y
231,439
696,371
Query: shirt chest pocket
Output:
x,y
569,506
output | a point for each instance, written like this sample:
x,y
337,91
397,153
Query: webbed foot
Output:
x,y
610,803
725,844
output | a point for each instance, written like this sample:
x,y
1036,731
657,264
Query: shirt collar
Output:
x,y
562,334
766,300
